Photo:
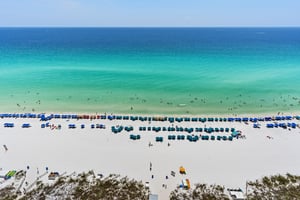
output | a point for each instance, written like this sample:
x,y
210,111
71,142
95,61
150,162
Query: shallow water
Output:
x,y
152,70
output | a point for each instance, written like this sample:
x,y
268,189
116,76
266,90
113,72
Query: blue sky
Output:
x,y
143,13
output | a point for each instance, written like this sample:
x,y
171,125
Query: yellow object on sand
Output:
x,y
182,170
188,184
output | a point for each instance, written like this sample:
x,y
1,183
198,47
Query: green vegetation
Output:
x,y
200,192
275,187
88,186
7,193
85,186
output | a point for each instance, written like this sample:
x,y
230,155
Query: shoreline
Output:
x,y
267,114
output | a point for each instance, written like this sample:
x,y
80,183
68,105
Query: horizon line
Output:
x,y
149,26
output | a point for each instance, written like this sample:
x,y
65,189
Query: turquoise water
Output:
x,y
171,71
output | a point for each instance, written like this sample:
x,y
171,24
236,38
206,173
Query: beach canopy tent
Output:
x,y
9,125
205,137
288,117
230,119
235,133
256,126
171,119
26,126
202,120
178,119
159,139
135,137
245,119
72,126
111,117
238,119
293,125
268,118
56,116
128,128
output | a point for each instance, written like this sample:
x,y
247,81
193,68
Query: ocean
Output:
x,y
193,71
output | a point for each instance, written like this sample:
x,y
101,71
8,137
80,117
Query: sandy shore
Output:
x,y
265,151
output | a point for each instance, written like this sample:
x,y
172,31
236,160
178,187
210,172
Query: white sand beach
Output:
x,y
264,151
